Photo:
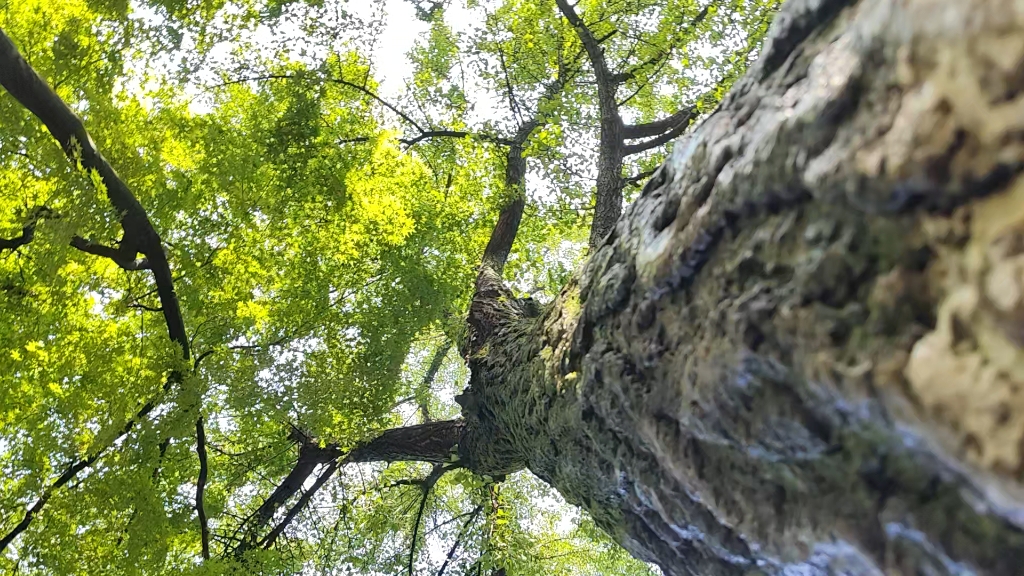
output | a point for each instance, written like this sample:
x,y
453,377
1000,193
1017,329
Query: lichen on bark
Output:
x,y
799,351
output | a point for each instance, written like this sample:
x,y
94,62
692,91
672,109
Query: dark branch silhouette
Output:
x,y
204,528
123,257
324,476
659,127
637,178
32,92
608,204
28,230
311,455
458,539
657,141
612,147
428,134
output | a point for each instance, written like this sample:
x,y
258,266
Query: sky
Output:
x,y
391,64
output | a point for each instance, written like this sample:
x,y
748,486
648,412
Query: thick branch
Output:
x,y
429,442
591,44
608,201
324,476
658,141
659,127
627,75
428,134
499,245
504,234
28,88
123,257
310,456
605,82
637,178
204,528
28,232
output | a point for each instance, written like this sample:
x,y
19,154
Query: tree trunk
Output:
x,y
799,352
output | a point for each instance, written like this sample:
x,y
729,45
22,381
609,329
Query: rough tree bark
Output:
x,y
799,352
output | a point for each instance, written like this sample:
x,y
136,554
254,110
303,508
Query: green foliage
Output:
x,y
319,262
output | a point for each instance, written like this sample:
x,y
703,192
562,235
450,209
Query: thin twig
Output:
x,y
458,539
341,81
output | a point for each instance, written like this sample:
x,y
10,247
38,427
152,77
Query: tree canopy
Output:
x,y
247,262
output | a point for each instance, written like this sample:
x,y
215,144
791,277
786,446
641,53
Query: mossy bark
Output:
x,y
799,352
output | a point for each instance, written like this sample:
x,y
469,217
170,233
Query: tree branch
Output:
x,y
28,231
635,179
499,245
659,56
428,377
605,83
204,528
458,540
427,486
340,81
634,131
311,454
513,105
426,134
123,257
429,442
503,235
627,75
72,471
29,89
658,141
608,202
269,540
48,492
353,140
